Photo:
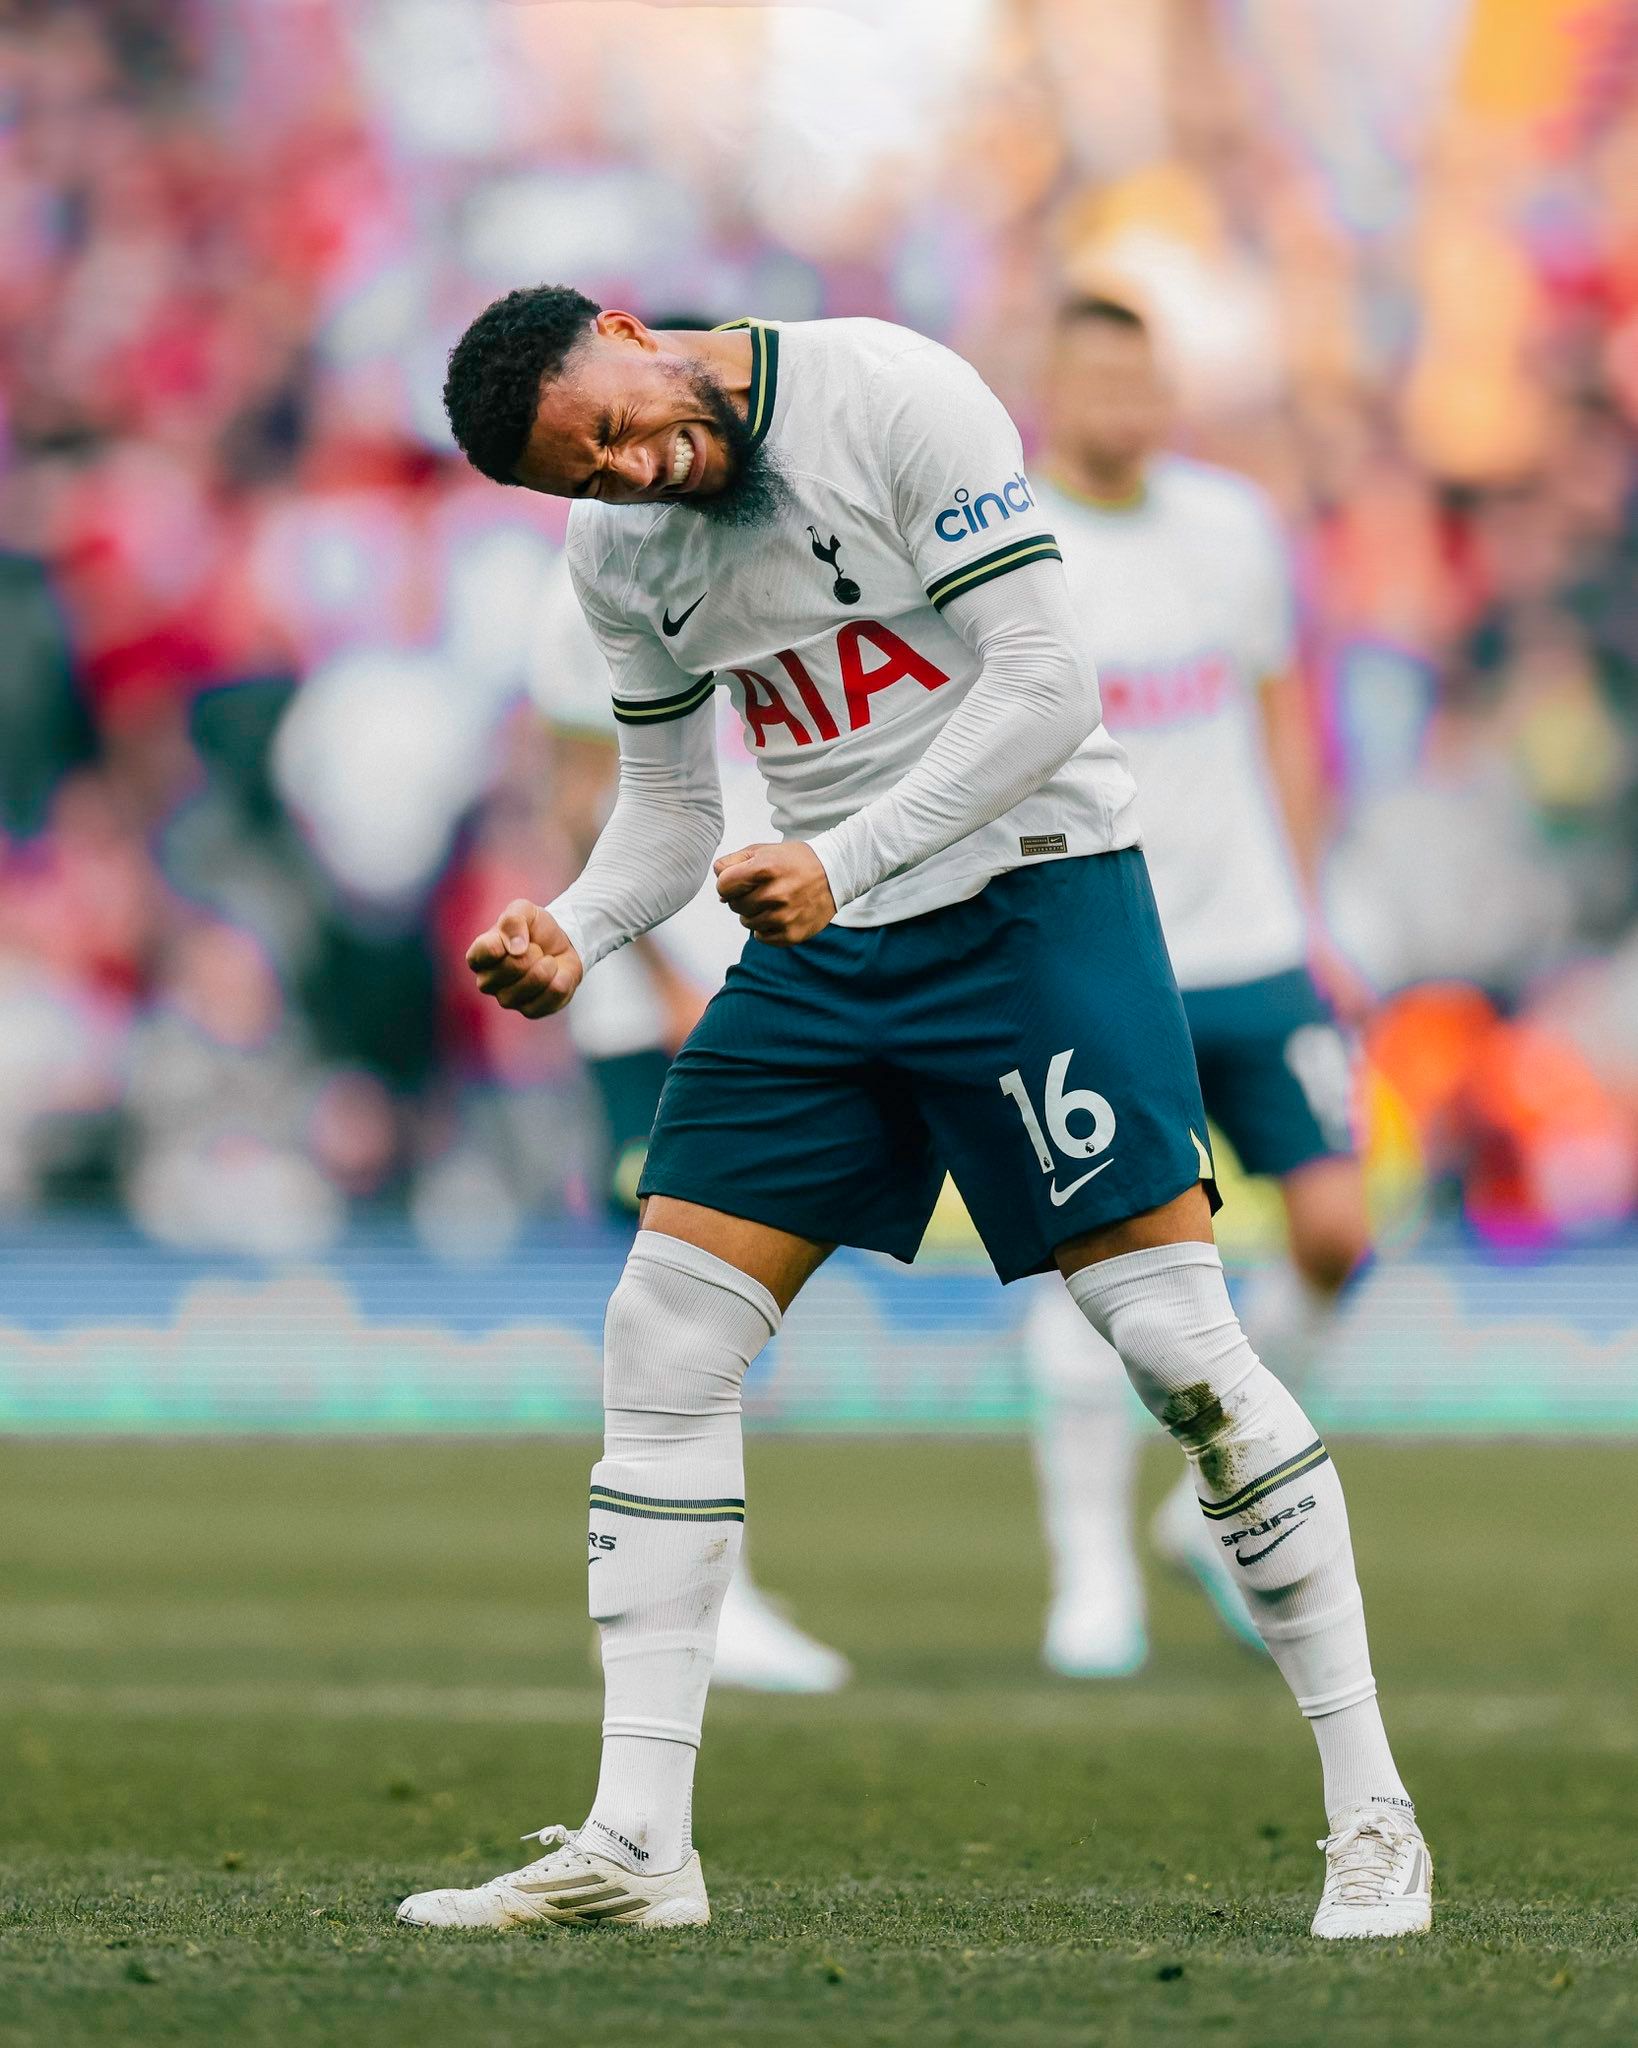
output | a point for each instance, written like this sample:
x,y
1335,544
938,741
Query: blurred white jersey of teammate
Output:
x,y
617,1009
1186,597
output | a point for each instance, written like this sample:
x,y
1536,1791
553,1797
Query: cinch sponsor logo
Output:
x,y
972,515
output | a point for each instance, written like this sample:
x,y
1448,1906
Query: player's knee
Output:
x,y
1329,1259
655,1362
637,1337
1182,1363
677,1342
1328,1224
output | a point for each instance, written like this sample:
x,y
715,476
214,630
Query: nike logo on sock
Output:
x,y
670,627
1240,1556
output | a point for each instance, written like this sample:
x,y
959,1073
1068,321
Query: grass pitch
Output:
x,y
252,1694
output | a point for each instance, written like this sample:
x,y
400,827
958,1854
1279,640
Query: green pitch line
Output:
x,y
250,1694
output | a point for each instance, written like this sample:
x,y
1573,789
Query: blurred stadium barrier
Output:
x,y
101,1333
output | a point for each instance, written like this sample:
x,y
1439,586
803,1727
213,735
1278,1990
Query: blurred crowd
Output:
x,y
273,743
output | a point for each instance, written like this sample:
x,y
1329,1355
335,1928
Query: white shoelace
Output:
x,y
1362,1860
551,1840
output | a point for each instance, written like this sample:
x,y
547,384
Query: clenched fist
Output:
x,y
781,892
525,961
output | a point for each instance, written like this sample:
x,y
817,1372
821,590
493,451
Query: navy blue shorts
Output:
x,y
1274,1070
1030,1040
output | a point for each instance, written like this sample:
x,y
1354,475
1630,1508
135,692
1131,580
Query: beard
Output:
x,y
755,490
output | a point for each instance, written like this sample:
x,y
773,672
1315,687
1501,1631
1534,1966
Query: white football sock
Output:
x,y
1265,1483
1085,1446
667,1509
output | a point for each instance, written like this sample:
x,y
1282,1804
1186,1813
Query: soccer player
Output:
x,y
1179,577
955,959
636,1002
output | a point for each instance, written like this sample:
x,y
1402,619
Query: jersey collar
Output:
x,y
764,375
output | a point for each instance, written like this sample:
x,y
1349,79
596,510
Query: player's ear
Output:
x,y
615,325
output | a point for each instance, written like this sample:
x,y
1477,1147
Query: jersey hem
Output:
x,y
980,882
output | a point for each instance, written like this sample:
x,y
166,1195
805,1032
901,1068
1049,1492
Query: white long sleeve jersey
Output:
x,y
1186,601
850,629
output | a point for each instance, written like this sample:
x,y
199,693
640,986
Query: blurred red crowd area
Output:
x,y
268,754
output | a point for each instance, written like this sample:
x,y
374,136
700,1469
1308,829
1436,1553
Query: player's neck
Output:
x,y
1114,487
728,357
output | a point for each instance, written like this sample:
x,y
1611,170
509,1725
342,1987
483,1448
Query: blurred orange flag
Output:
x,y
1523,59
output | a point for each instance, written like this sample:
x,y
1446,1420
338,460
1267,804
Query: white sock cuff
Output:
x,y
655,1248
1142,1265
648,1729
1317,1706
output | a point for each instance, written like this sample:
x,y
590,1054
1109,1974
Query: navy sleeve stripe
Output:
x,y
656,710
1040,547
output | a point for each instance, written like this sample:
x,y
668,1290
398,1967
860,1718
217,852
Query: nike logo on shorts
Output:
x,y
1061,1195
670,627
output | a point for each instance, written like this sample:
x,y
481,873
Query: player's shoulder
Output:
x,y
868,343
1205,491
604,544
875,357
602,538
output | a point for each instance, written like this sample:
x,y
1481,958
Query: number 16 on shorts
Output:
x,y
1061,1103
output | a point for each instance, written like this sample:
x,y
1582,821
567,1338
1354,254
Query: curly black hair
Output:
x,y
497,367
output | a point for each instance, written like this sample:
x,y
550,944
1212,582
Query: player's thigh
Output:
x,y
780,1260
776,1113
1071,1106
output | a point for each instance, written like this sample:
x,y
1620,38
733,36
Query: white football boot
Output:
x,y
1184,1538
761,1650
1378,1878
569,1887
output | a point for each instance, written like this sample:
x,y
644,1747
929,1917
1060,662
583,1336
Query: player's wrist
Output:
x,y
587,954
836,853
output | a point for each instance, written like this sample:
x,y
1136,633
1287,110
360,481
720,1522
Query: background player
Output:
x,y
958,915
1179,575
637,1006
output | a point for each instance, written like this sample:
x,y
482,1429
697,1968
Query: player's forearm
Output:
x,y
1033,704
650,859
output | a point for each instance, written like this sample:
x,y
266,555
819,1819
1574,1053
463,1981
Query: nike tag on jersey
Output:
x,y
1043,842
670,626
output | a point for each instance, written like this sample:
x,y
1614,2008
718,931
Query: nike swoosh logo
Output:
x,y
1241,1558
1061,1195
670,627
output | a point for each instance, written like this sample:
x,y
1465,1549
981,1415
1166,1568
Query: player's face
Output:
x,y
1106,397
629,423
